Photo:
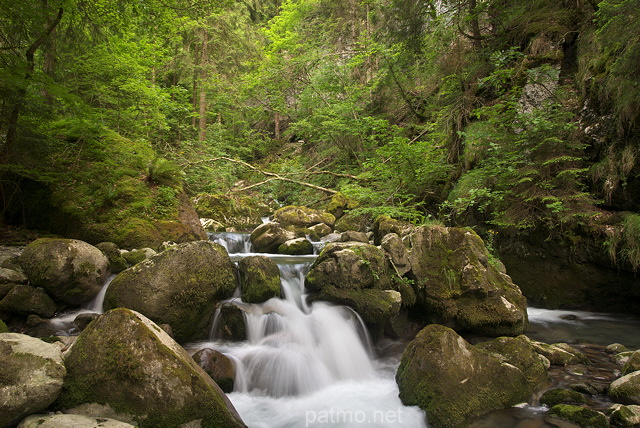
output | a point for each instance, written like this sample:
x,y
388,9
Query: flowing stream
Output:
x,y
308,365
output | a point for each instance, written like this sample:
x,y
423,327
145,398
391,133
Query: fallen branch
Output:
x,y
273,175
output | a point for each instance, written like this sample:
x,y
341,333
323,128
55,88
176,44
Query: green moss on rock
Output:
x,y
373,306
259,279
582,416
562,396
124,361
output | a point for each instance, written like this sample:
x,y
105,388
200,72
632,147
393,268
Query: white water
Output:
x,y
310,365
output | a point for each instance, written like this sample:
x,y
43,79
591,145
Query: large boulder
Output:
x,y
351,266
453,381
457,285
375,307
129,365
179,287
31,376
71,271
626,390
268,237
27,300
259,279
302,217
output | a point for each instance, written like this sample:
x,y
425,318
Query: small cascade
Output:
x,y
299,351
234,243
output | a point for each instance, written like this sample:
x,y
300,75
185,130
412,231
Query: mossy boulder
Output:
x,y
395,249
27,300
341,203
457,284
562,396
31,376
218,366
632,364
179,287
351,266
77,421
231,322
318,231
519,351
374,306
581,416
71,271
453,381
302,217
268,237
259,279
126,362
117,263
234,212
626,390
351,221
296,247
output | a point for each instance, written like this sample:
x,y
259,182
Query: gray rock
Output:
x,y
625,416
354,236
125,361
581,416
71,271
303,217
632,364
268,237
11,276
179,287
31,376
626,390
394,247
560,354
75,421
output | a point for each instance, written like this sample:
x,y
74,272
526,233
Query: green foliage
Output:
x,y
623,241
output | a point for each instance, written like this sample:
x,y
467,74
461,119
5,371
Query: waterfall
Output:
x,y
308,364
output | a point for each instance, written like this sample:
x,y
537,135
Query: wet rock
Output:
x,y
296,247
231,325
373,306
632,364
268,237
562,396
126,362
561,354
76,421
457,285
12,276
218,366
452,380
615,348
259,279
179,287
27,300
625,416
581,416
71,271
83,320
626,390
31,376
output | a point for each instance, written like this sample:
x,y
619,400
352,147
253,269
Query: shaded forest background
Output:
x,y
519,119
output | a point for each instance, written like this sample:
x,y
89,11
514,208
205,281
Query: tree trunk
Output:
x,y
12,126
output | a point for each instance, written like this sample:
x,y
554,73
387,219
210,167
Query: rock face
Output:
x,y
457,285
259,279
71,271
179,287
453,381
31,376
126,362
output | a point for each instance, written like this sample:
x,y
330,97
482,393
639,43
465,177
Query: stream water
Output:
x,y
313,365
